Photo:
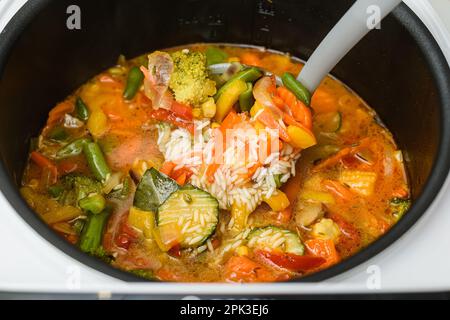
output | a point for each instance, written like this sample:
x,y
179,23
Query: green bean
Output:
x,y
93,203
92,233
297,88
246,99
96,161
214,55
134,82
81,109
248,75
74,148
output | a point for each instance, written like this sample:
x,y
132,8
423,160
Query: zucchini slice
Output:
x,y
329,122
274,238
153,189
194,212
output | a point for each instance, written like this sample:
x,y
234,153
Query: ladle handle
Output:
x,y
362,17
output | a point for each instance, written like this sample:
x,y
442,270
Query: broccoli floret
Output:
x,y
77,187
399,207
189,80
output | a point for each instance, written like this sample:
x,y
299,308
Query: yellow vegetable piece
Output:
x,y
234,59
97,123
326,229
142,220
166,236
256,107
197,113
209,108
301,138
239,214
228,98
259,127
317,196
215,125
278,201
242,251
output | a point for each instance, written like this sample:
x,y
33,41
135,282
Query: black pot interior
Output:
x,y
48,61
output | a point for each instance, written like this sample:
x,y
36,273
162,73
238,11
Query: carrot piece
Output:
x,y
251,59
324,249
243,269
334,159
279,102
230,121
181,180
306,116
44,163
167,168
338,189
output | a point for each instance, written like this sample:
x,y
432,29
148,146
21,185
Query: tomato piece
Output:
x,y
290,261
67,166
181,110
168,116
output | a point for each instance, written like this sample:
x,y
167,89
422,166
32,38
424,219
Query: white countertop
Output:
x,y
413,263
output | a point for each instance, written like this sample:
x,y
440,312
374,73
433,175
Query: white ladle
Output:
x,y
359,20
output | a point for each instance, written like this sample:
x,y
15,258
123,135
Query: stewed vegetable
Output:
x,y
167,171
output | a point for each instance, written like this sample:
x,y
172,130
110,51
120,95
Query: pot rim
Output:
x,y
441,73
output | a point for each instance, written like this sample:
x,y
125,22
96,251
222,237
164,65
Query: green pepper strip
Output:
x,y
134,82
297,88
93,203
72,149
246,99
247,75
96,161
81,109
91,235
